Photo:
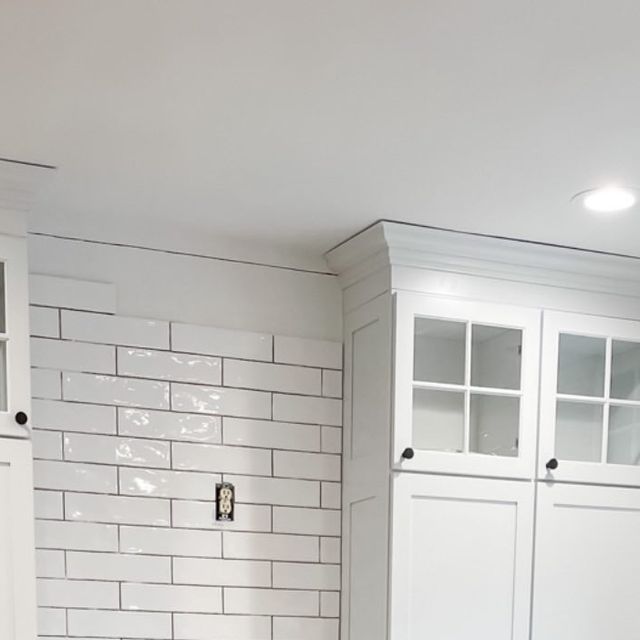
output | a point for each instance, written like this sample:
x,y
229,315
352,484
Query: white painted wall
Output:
x,y
177,287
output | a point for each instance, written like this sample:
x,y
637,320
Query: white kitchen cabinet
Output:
x,y
481,373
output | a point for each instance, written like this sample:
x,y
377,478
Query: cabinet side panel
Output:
x,y
7,627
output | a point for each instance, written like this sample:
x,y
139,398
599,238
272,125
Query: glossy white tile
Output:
x,y
46,384
171,542
88,507
168,484
48,505
72,356
313,353
330,604
46,444
73,416
190,626
332,383
314,466
144,423
327,411
271,602
219,401
307,628
69,476
330,550
240,573
81,594
201,515
113,450
299,575
331,495
117,566
51,622
50,563
44,322
268,434
159,597
221,459
266,546
272,377
120,624
276,491
331,439
324,522
52,534
72,293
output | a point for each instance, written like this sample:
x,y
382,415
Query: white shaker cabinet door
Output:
x,y
17,564
461,558
587,567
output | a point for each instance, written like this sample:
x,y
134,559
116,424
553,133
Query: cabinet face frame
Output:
x,y
408,306
601,472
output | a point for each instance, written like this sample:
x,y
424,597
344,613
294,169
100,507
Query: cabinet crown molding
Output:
x,y
406,245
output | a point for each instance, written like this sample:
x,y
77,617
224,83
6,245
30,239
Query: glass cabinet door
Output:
x,y
465,386
590,420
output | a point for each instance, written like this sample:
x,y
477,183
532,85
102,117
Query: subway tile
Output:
x,y
72,356
332,383
214,400
48,505
278,491
46,444
272,377
73,416
160,597
307,409
79,594
99,389
266,546
82,536
219,627
307,628
234,573
46,384
321,522
163,365
115,566
168,484
44,322
71,293
221,342
50,563
112,450
117,509
134,332
330,604
221,459
201,515
331,439
331,495
313,353
330,550
121,624
69,476
271,602
298,575
51,622
144,423
171,542
313,466
271,435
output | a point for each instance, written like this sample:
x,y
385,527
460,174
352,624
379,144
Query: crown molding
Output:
x,y
405,245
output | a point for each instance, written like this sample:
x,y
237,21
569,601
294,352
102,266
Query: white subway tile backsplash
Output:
x,y
278,491
44,322
312,353
168,484
314,466
298,575
50,563
51,622
218,627
307,628
271,602
46,384
307,409
46,444
72,356
160,597
73,416
83,536
81,594
221,459
331,440
89,507
330,550
271,435
201,515
331,495
143,423
234,573
330,604
133,332
218,401
164,365
70,293
99,389
171,542
332,383
272,377
120,624
266,546
69,476
112,450
323,522
221,342
48,505
116,566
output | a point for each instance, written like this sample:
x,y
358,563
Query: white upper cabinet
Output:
x,y
590,408
466,386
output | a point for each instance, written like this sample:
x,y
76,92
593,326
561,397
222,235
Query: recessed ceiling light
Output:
x,y
608,199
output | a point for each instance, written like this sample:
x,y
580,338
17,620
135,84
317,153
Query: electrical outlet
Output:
x,y
225,502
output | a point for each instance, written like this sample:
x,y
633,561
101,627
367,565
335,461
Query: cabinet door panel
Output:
x,y
461,558
466,386
587,568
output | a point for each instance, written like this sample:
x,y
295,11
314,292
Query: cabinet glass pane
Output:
x,y
579,431
624,435
438,420
3,376
625,370
494,425
496,357
581,365
439,351
3,322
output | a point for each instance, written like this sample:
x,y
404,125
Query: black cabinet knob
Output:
x,y
552,465
21,418
408,453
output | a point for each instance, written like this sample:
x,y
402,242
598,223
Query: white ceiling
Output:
x,y
273,129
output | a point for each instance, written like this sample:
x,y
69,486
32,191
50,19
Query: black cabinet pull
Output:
x,y
552,465
408,453
21,418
